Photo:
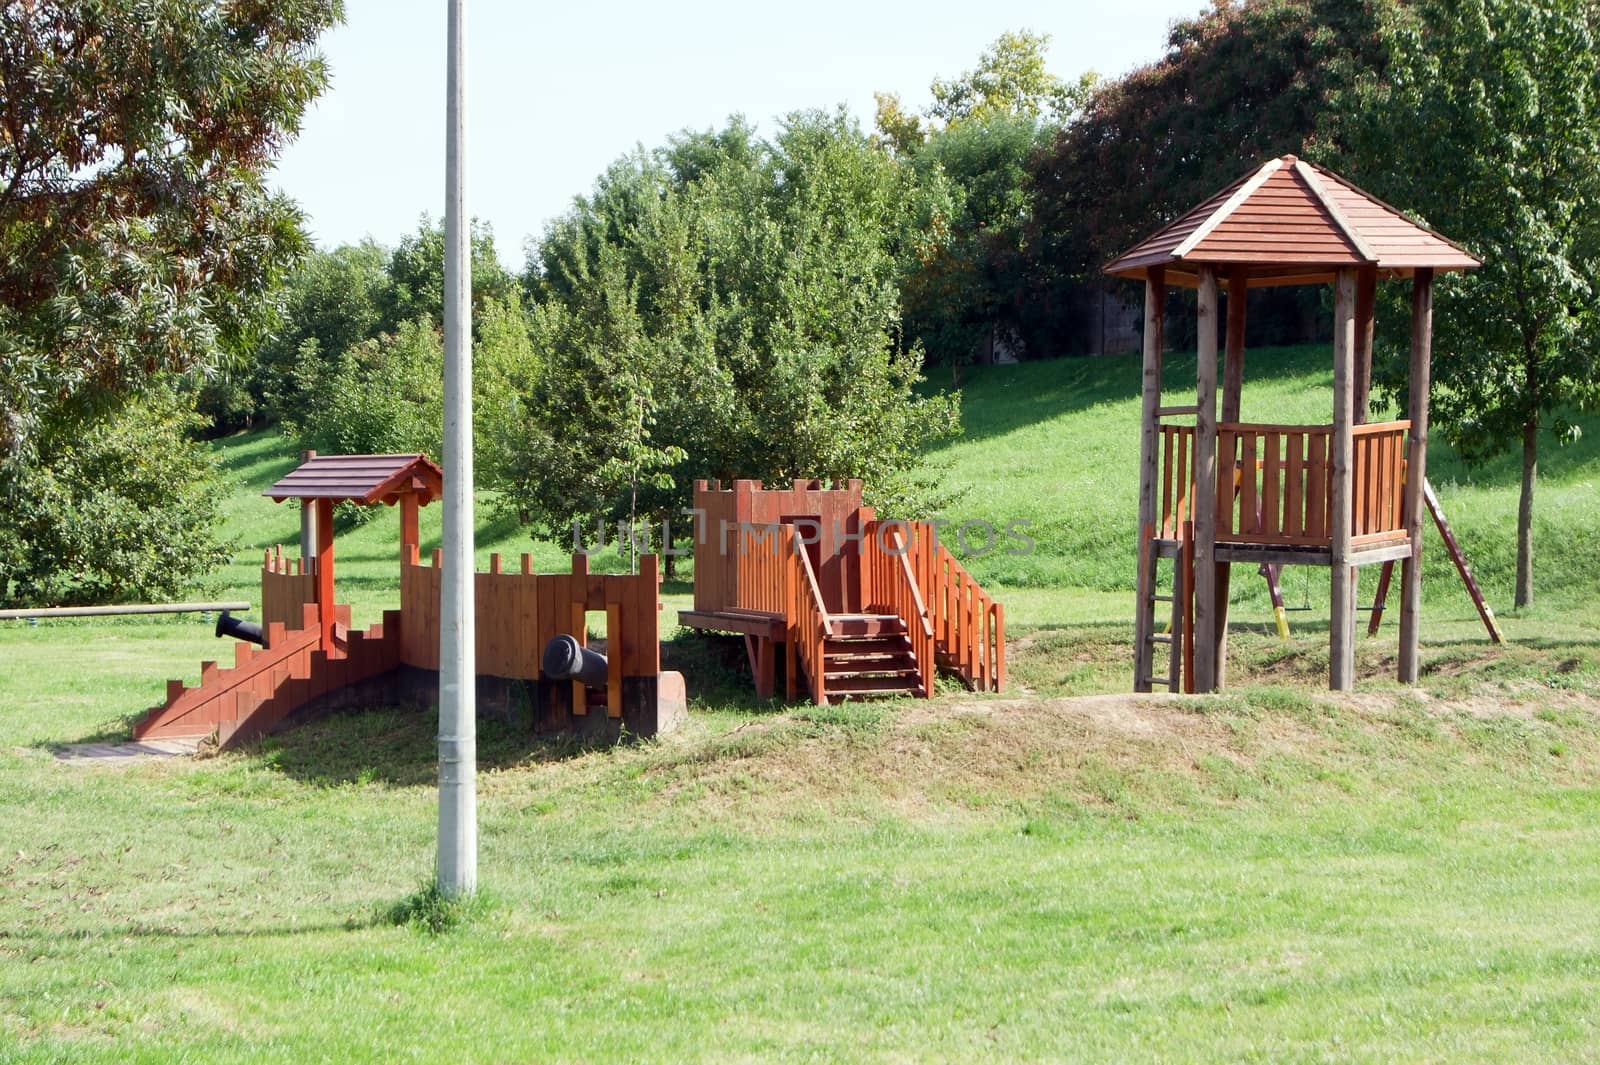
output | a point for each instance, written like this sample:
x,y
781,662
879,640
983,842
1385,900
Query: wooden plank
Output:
x,y
1184,482
325,571
1341,627
1271,471
1227,476
1249,504
1207,631
1316,487
616,653
1380,599
1155,294
1294,507
1167,434
1459,557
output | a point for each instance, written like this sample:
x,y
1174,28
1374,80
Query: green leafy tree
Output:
x,y
416,275
332,301
1238,84
127,511
1488,125
138,240
726,306
137,235
1011,79
982,130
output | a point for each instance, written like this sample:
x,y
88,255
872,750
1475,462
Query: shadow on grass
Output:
x,y
397,746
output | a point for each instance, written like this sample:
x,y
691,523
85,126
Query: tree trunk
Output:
x,y
1530,477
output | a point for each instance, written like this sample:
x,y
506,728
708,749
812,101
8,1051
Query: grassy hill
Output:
x,y
1054,445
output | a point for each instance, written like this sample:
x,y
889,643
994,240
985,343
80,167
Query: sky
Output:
x,y
557,92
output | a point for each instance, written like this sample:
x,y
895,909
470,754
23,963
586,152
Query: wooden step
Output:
x,y
909,670
872,687
867,645
856,626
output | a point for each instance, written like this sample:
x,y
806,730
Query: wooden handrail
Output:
x,y
805,610
911,583
811,578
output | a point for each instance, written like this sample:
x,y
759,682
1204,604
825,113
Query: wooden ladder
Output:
x,y
1179,637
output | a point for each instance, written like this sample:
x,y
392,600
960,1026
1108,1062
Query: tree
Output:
x,y
136,233
127,510
331,302
1488,124
982,130
725,306
1239,84
416,275
1010,79
137,241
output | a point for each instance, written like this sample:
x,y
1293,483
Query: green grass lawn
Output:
x,y
1268,875
1066,873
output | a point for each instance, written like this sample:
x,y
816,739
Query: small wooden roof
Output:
x,y
361,479
1290,222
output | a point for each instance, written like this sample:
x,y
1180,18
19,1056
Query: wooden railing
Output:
x,y
807,617
969,631
287,585
891,588
1275,483
1377,498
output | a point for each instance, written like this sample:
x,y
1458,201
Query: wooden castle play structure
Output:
x,y
310,655
849,606
1217,492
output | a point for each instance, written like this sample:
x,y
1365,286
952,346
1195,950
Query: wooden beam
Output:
x,y
1416,471
324,531
1366,314
1341,622
1207,616
1155,302
1232,395
1233,368
409,537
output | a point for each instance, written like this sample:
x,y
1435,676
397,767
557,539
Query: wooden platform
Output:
x,y
741,622
1294,554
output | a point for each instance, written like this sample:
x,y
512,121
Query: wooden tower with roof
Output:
x,y
1213,492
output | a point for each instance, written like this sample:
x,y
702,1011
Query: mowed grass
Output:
x,y
1273,874
1268,875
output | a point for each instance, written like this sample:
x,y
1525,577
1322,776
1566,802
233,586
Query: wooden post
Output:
x,y
1341,623
1233,368
324,528
579,622
1155,302
409,536
1366,313
1232,389
1206,614
1416,470
308,522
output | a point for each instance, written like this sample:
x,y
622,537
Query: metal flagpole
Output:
x,y
458,756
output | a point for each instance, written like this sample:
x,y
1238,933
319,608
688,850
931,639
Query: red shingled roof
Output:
x,y
1290,222
361,479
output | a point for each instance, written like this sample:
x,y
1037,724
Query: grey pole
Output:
x,y
458,743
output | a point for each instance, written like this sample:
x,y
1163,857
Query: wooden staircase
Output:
x,y
267,684
869,656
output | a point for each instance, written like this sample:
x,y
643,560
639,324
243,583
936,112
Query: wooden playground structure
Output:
x,y
311,655
852,606
1340,495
